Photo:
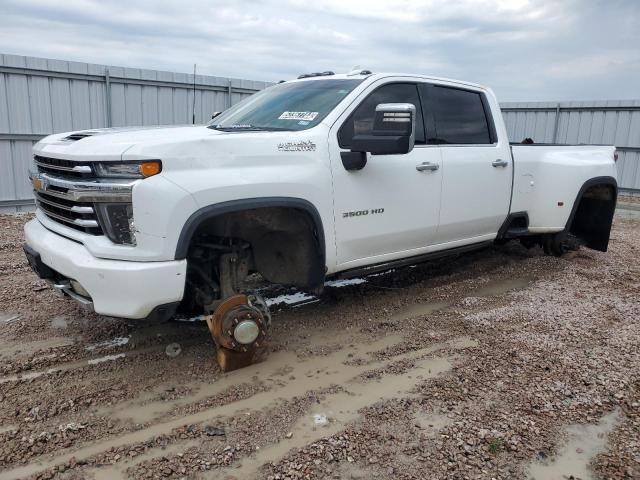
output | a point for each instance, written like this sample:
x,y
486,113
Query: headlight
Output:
x,y
143,169
116,220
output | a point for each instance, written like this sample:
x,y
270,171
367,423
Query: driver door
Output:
x,y
390,208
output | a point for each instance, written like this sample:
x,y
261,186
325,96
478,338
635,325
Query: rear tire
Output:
x,y
559,244
529,242
552,246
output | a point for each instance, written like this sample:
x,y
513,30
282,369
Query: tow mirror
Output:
x,y
393,131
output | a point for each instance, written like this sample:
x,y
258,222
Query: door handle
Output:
x,y
432,167
499,163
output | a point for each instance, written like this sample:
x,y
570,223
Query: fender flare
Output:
x,y
586,185
210,211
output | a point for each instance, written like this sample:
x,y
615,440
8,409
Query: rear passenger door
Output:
x,y
477,166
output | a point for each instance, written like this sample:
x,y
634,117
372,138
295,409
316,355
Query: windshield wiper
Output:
x,y
247,128
231,128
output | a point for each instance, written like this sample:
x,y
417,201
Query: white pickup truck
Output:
x,y
324,176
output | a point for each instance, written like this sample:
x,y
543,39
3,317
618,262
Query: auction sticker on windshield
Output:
x,y
298,115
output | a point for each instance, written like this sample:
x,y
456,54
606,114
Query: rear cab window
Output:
x,y
461,117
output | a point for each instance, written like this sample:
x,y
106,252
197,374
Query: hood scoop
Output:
x,y
74,137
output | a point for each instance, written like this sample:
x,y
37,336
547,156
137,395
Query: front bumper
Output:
x,y
117,288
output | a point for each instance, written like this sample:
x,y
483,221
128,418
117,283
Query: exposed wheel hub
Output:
x,y
239,327
246,332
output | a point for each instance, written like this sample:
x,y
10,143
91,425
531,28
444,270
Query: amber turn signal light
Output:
x,y
149,169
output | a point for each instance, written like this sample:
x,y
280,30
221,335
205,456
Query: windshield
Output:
x,y
286,106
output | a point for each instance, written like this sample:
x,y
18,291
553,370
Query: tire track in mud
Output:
x,y
317,372
86,363
342,408
187,337
77,352
146,408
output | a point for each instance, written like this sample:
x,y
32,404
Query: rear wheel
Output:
x,y
560,243
552,245
530,242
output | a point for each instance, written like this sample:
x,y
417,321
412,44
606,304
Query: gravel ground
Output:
x,y
502,364
629,197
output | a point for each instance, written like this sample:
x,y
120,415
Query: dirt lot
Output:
x,y
499,364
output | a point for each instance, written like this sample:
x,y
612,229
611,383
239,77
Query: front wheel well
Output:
x,y
283,243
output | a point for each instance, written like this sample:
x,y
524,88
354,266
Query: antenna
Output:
x,y
194,94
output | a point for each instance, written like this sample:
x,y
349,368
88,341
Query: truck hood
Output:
x,y
111,143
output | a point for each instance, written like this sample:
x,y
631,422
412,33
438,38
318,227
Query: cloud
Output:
x,y
524,49
597,65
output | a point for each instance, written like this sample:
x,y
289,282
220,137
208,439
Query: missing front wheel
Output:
x,y
239,328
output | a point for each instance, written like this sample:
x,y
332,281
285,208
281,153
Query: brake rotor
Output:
x,y
239,326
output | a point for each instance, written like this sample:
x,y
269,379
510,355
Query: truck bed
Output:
x,y
547,179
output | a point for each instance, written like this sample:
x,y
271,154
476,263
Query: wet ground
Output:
x,y
501,364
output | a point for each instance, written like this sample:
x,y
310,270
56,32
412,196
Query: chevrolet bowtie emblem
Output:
x,y
38,185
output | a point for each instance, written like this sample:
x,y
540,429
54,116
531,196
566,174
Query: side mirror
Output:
x,y
393,131
215,114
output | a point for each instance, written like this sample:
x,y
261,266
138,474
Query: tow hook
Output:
x,y
239,327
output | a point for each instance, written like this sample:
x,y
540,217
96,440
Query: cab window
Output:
x,y
460,117
360,122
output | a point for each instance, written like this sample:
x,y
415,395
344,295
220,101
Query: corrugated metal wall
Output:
x,y
605,122
42,96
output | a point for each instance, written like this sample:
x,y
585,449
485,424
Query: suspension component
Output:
x,y
239,327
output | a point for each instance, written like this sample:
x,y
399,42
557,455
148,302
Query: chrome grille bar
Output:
x,y
82,191
80,222
75,208
44,163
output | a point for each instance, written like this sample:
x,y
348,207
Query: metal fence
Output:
x,y
606,122
42,96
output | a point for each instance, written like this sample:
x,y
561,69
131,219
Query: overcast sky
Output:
x,y
523,49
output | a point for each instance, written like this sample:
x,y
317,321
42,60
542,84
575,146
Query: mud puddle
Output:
x,y
572,461
489,289
498,287
14,348
8,317
108,344
8,428
419,309
84,362
59,323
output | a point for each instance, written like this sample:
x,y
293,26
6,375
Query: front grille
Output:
x,y
72,194
55,203
66,168
78,215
